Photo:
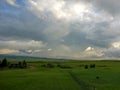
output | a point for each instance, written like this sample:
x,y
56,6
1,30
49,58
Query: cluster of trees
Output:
x,y
50,65
18,64
5,63
90,66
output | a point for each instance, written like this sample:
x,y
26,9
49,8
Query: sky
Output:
x,y
70,29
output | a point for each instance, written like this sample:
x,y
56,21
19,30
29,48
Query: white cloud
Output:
x,y
116,45
50,49
12,3
30,46
89,49
68,10
8,51
60,9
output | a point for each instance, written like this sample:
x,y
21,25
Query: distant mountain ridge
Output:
x,y
17,57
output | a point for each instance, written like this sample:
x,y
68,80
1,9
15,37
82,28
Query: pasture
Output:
x,y
63,75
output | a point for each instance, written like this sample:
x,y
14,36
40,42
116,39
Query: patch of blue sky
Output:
x,y
6,8
21,2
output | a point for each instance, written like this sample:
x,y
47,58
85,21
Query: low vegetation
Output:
x,y
59,75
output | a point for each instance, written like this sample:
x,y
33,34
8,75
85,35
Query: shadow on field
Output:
x,y
81,83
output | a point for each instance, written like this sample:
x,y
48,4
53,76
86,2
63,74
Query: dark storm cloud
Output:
x,y
22,25
89,34
113,53
81,40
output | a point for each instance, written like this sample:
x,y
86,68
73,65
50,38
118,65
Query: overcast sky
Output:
x,y
76,29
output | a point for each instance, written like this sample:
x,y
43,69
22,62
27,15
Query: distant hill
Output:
x,y
17,57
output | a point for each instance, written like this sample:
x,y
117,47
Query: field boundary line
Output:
x,y
81,83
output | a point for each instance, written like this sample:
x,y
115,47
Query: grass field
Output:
x,y
77,77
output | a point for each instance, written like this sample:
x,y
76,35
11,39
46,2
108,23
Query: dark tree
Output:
x,y
24,64
4,62
0,63
86,66
20,64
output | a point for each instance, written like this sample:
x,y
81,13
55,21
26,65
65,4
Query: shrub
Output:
x,y
50,65
97,77
64,66
43,65
86,66
92,65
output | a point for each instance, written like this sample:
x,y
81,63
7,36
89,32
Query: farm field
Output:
x,y
72,75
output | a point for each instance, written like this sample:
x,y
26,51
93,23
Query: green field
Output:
x,y
77,77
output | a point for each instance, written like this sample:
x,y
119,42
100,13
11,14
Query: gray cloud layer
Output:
x,y
63,28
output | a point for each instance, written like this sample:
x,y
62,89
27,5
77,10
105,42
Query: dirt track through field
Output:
x,y
81,83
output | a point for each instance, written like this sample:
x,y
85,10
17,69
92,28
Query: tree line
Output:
x,y
4,63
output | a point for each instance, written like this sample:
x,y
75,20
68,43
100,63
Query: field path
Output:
x,y
81,83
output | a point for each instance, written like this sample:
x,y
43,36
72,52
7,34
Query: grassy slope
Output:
x,y
61,79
